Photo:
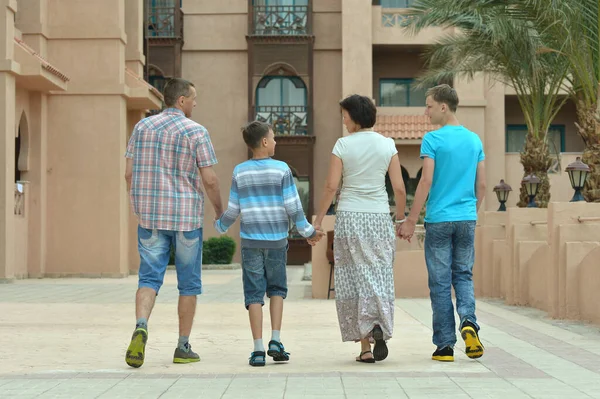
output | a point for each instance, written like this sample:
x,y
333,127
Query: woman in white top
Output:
x,y
365,239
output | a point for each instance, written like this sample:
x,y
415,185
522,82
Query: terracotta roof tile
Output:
x,y
45,64
404,127
153,89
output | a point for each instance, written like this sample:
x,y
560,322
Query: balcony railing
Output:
x,y
164,21
394,3
286,120
280,20
395,19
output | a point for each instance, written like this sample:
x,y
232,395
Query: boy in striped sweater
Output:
x,y
263,192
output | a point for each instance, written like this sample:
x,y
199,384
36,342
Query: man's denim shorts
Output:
x,y
155,249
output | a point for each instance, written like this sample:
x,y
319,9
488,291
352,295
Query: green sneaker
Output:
x,y
185,356
135,353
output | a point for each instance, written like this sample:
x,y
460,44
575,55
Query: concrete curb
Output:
x,y
231,266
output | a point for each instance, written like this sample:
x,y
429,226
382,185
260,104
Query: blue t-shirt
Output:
x,y
456,151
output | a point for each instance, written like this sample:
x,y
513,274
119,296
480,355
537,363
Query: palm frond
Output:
x,y
499,38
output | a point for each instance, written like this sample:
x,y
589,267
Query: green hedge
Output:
x,y
218,251
215,251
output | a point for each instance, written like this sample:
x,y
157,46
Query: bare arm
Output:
x,y
480,184
211,185
128,172
331,185
395,173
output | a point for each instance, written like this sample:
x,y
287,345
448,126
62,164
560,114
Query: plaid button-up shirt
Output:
x,y
167,149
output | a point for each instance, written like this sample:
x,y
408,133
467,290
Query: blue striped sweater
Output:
x,y
263,192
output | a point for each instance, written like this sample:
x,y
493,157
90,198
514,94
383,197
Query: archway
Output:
x,y
22,148
156,78
390,189
17,152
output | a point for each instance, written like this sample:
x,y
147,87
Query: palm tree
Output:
x,y
510,50
572,29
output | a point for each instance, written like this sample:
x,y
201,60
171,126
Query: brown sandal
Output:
x,y
369,360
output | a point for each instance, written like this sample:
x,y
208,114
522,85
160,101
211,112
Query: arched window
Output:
x,y
281,91
281,102
156,78
17,153
22,149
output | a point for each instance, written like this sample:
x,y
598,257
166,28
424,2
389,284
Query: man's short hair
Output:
x,y
444,94
361,109
254,132
174,89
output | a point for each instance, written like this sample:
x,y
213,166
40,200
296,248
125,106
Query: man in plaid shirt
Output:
x,y
167,156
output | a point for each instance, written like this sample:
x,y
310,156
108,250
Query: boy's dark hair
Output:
x,y
361,109
444,94
254,132
174,89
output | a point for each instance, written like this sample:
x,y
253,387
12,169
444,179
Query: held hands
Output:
x,y
406,229
319,234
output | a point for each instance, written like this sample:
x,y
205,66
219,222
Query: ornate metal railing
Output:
x,y
394,3
395,19
280,20
286,120
164,21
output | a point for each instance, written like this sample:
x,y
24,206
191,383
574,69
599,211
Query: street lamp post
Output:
x,y
532,184
502,190
578,173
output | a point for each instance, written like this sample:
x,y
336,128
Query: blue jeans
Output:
x,y
155,249
263,272
449,254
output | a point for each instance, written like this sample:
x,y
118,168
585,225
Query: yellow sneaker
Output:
x,y
137,348
445,354
185,356
473,346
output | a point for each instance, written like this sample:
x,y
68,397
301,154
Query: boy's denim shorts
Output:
x,y
263,272
155,249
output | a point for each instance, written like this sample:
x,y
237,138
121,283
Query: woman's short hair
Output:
x,y
361,109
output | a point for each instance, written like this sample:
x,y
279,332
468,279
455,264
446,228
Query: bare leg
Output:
x,y
144,302
186,310
365,346
276,310
256,320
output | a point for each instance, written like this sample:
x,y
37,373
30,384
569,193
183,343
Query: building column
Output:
x,y
495,145
357,48
38,151
7,175
134,51
472,113
8,8
86,219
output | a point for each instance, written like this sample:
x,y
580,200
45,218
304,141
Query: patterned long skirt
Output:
x,y
364,248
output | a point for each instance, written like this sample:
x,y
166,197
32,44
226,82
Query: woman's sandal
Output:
x,y
367,360
277,351
257,359
380,351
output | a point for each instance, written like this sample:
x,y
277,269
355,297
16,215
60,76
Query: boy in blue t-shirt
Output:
x,y
454,178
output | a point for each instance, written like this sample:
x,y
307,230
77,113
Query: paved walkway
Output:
x,y
66,338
